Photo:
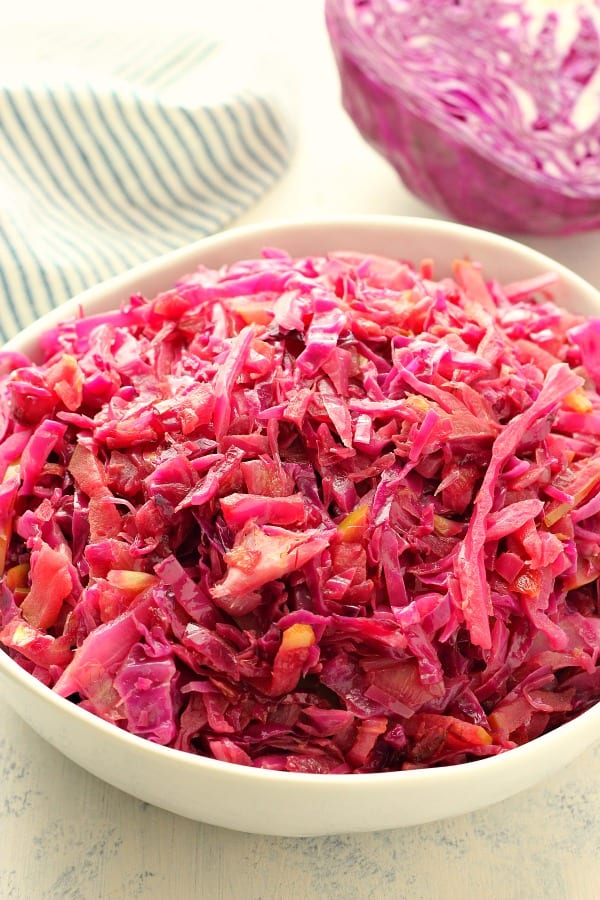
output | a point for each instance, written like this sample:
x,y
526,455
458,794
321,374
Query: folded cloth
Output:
x,y
115,148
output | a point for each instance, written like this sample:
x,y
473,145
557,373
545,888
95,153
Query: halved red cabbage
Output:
x,y
488,109
322,515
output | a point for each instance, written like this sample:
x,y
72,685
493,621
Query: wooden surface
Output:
x,y
66,836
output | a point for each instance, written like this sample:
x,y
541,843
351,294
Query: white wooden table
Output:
x,y
64,835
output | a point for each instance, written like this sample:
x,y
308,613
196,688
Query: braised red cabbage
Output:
x,y
488,109
322,515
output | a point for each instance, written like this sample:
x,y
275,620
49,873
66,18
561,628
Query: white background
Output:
x,y
66,836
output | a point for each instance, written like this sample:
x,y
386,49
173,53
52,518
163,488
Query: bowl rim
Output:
x,y
583,730
438,227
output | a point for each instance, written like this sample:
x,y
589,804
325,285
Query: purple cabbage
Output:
x,y
488,110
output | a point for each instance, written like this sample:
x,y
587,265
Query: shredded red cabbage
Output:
x,y
488,109
319,515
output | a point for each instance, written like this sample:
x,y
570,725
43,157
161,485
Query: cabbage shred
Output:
x,y
322,515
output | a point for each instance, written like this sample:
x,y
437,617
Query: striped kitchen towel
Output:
x,y
117,147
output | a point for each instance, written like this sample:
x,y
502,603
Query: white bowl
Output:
x,y
283,803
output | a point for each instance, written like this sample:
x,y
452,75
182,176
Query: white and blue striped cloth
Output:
x,y
115,148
